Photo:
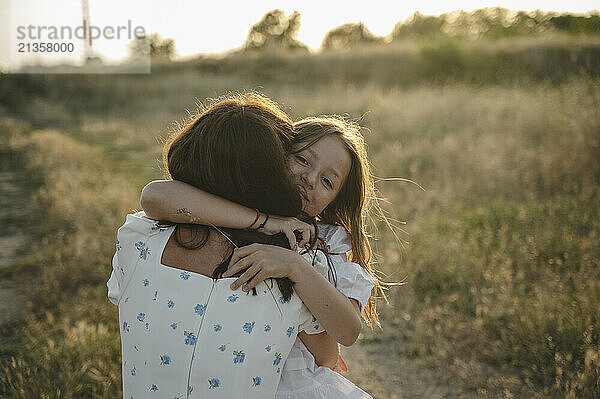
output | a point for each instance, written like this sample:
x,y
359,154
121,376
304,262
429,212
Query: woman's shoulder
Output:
x,y
139,225
139,218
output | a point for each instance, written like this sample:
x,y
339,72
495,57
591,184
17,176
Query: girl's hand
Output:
x,y
287,226
262,262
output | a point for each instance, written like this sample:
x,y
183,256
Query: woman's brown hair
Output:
x,y
236,149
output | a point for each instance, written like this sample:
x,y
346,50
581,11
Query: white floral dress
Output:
x,y
301,377
186,335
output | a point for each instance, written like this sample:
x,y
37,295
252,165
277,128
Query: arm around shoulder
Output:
x,y
179,202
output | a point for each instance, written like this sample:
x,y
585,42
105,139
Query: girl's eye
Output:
x,y
301,159
327,182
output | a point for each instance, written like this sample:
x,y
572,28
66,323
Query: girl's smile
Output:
x,y
319,171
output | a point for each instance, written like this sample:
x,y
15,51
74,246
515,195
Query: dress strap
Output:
x,y
224,235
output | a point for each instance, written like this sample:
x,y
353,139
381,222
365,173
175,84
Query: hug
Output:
x,y
251,262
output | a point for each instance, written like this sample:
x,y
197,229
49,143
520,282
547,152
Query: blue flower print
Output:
x,y
170,304
222,348
118,245
238,357
153,388
190,338
133,371
165,360
141,317
277,359
184,275
289,331
191,388
147,326
155,295
316,326
268,348
256,381
267,327
218,327
140,245
281,299
199,309
278,370
126,299
213,383
125,326
145,282
247,327
174,326
232,298
136,348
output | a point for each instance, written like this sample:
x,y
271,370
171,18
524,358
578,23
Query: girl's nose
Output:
x,y
308,179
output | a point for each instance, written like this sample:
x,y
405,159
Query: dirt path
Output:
x,y
376,365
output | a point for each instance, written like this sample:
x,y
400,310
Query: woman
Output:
x,y
184,331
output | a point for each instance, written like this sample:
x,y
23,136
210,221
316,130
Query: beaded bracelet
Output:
x,y
260,226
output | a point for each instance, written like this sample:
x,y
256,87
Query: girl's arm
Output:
x,y
338,314
179,202
182,203
323,348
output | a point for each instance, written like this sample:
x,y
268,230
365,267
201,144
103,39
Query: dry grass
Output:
x,y
503,264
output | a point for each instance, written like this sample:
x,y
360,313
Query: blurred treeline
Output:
x,y
276,30
490,45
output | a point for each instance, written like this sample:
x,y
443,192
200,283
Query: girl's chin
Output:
x,y
304,203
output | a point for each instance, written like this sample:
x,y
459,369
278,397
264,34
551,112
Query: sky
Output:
x,y
217,26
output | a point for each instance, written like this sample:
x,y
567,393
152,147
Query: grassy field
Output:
x,y
503,260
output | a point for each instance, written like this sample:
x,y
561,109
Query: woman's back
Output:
x,y
187,335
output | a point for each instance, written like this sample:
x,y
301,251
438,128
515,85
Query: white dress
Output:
x,y
301,378
185,335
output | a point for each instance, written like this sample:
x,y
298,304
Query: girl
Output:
x,y
329,167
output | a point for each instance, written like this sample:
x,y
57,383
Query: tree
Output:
x,y
419,26
577,24
348,36
275,30
152,45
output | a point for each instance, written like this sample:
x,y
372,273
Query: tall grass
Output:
x,y
503,263
508,231
69,346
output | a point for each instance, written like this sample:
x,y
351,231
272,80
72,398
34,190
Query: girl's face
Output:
x,y
319,171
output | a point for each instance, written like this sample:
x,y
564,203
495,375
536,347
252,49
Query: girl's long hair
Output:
x,y
357,198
